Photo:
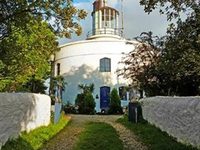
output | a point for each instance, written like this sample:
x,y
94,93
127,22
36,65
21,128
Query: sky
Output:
x,y
136,20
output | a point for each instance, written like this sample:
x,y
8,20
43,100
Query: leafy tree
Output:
x,y
138,63
175,71
26,53
172,8
180,57
61,13
115,103
85,100
35,86
89,103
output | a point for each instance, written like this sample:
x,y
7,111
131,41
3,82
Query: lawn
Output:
x,y
36,138
99,136
153,137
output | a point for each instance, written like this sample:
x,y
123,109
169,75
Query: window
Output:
x,y
58,69
105,65
123,93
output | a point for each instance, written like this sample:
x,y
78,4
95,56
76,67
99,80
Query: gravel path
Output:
x,y
66,139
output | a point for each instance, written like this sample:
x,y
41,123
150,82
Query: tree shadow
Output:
x,y
84,75
18,113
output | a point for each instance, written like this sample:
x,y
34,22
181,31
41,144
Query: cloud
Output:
x,y
136,20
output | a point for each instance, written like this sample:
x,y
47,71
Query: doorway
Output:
x,y
104,97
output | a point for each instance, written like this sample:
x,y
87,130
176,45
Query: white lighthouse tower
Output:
x,y
105,20
96,59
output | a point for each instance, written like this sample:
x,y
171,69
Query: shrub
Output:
x,y
69,109
115,103
85,100
89,103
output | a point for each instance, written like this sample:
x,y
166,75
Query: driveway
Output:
x,y
66,139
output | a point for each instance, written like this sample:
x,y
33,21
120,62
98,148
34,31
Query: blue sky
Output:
x,y
136,20
80,1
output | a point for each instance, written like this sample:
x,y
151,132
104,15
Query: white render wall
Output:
x,y
178,116
22,112
79,64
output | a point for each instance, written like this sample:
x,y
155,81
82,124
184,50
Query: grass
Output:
x,y
153,137
99,136
36,138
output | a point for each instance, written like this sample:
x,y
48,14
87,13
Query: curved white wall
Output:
x,y
178,116
22,112
79,62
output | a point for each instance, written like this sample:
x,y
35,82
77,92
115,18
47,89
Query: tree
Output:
x,y
25,53
138,63
85,100
59,86
115,103
172,8
35,86
61,14
177,69
180,57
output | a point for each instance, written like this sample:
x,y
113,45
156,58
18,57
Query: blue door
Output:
x,y
104,97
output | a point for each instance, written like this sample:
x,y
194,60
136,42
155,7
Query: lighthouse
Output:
x,y
96,59
105,19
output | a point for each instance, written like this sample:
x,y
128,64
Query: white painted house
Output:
x,y
96,59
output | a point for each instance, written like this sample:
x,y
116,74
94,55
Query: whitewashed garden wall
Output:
x,y
178,116
22,112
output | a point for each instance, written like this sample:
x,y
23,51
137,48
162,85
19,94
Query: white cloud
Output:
x,y
135,19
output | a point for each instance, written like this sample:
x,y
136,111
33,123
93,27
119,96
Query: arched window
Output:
x,y
105,65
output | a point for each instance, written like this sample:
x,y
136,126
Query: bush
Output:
x,y
115,103
85,100
89,103
69,109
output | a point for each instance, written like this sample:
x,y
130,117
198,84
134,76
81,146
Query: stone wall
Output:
x,y
22,112
178,116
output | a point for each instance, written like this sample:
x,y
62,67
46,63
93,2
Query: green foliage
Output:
x,y
99,136
64,15
115,103
172,8
176,68
69,109
85,101
25,53
86,88
153,137
178,71
35,86
89,103
36,138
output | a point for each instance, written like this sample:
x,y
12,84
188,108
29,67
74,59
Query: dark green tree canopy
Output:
x,y
172,8
115,103
61,14
177,69
85,100
25,53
